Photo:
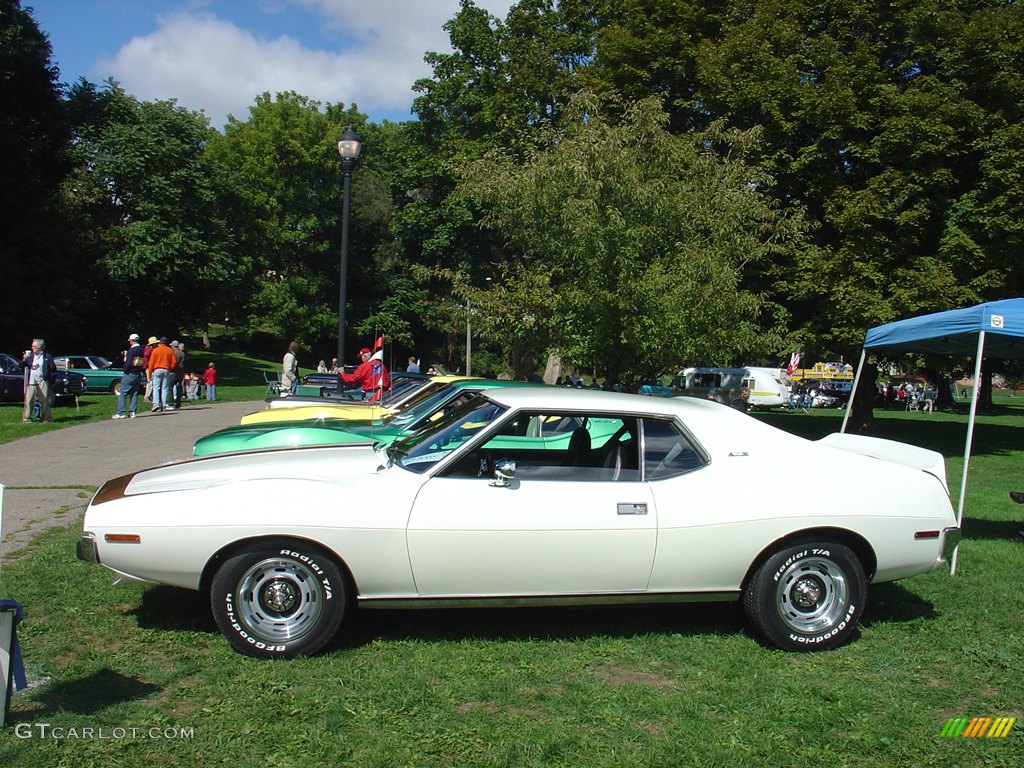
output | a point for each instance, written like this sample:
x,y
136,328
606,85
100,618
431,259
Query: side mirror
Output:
x,y
504,473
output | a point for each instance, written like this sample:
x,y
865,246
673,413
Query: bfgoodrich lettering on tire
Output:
x,y
807,597
279,599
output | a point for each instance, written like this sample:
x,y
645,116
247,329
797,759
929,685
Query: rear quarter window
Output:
x,y
668,451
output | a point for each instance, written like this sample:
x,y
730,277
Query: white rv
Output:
x,y
767,385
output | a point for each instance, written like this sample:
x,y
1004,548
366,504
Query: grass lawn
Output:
x,y
645,686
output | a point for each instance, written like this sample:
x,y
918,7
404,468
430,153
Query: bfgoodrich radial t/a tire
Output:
x,y
807,597
279,599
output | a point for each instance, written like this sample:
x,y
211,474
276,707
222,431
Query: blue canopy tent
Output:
x,y
992,329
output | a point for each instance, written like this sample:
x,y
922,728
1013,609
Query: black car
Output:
x,y
328,382
12,381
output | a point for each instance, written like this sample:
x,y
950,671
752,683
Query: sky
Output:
x,y
218,55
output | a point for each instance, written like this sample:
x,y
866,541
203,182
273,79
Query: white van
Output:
x,y
767,387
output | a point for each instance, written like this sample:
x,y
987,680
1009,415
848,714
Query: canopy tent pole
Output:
x,y
853,390
970,439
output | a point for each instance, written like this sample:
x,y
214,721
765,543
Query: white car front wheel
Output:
x,y
279,599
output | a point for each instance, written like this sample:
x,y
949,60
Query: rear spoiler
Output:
x,y
912,456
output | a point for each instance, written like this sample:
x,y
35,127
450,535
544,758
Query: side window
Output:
x,y
707,380
560,446
667,451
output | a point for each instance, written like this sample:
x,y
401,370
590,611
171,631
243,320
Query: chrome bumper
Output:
x,y
950,539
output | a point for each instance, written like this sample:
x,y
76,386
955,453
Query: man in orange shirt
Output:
x,y
161,363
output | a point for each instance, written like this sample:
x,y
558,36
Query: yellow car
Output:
x,y
354,411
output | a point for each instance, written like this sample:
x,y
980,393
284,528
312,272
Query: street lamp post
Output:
x,y
348,148
469,341
469,336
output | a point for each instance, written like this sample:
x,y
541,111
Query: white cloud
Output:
x,y
208,63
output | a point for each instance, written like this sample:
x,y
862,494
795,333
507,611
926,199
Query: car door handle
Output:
x,y
632,509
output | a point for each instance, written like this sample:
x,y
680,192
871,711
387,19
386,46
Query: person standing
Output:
x,y
290,369
161,364
146,352
371,375
739,402
178,374
210,380
413,366
131,378
40,371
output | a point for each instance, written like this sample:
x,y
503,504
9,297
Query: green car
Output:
x,y
421,410
433,405
101,375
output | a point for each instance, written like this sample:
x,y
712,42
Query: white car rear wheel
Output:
x,y
807,597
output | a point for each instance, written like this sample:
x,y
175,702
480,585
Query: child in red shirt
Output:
x,y
210,380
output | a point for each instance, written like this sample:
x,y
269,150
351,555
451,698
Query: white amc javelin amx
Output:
x,y
538,496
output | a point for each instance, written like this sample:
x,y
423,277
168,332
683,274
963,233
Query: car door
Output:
x,y
556,529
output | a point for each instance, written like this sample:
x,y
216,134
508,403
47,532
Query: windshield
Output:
x,y
401,389
420,404
424,448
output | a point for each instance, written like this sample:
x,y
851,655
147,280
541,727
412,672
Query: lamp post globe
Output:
x,y
348,147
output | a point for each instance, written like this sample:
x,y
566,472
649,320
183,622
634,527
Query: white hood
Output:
x,y
314,463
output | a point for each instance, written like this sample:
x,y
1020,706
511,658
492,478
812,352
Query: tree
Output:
x,y
895,125
630,244
501,82
145,192
39,273
283,167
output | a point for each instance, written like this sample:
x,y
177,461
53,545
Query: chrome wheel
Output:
x,y
279,599
807,596
811,595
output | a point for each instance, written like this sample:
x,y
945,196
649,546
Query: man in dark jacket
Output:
x,y
39,374
740,401
178,374
131,377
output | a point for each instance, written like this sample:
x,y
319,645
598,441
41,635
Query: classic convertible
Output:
x,y
670,500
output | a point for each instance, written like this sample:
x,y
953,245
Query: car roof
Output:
x,y
718,427
590,399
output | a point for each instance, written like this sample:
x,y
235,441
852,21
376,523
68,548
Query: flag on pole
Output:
x,y
382,380
794,363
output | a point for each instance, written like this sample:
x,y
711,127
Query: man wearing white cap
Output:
x,y
131,377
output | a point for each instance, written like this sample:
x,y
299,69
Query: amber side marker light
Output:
x,y
122,538
926,535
